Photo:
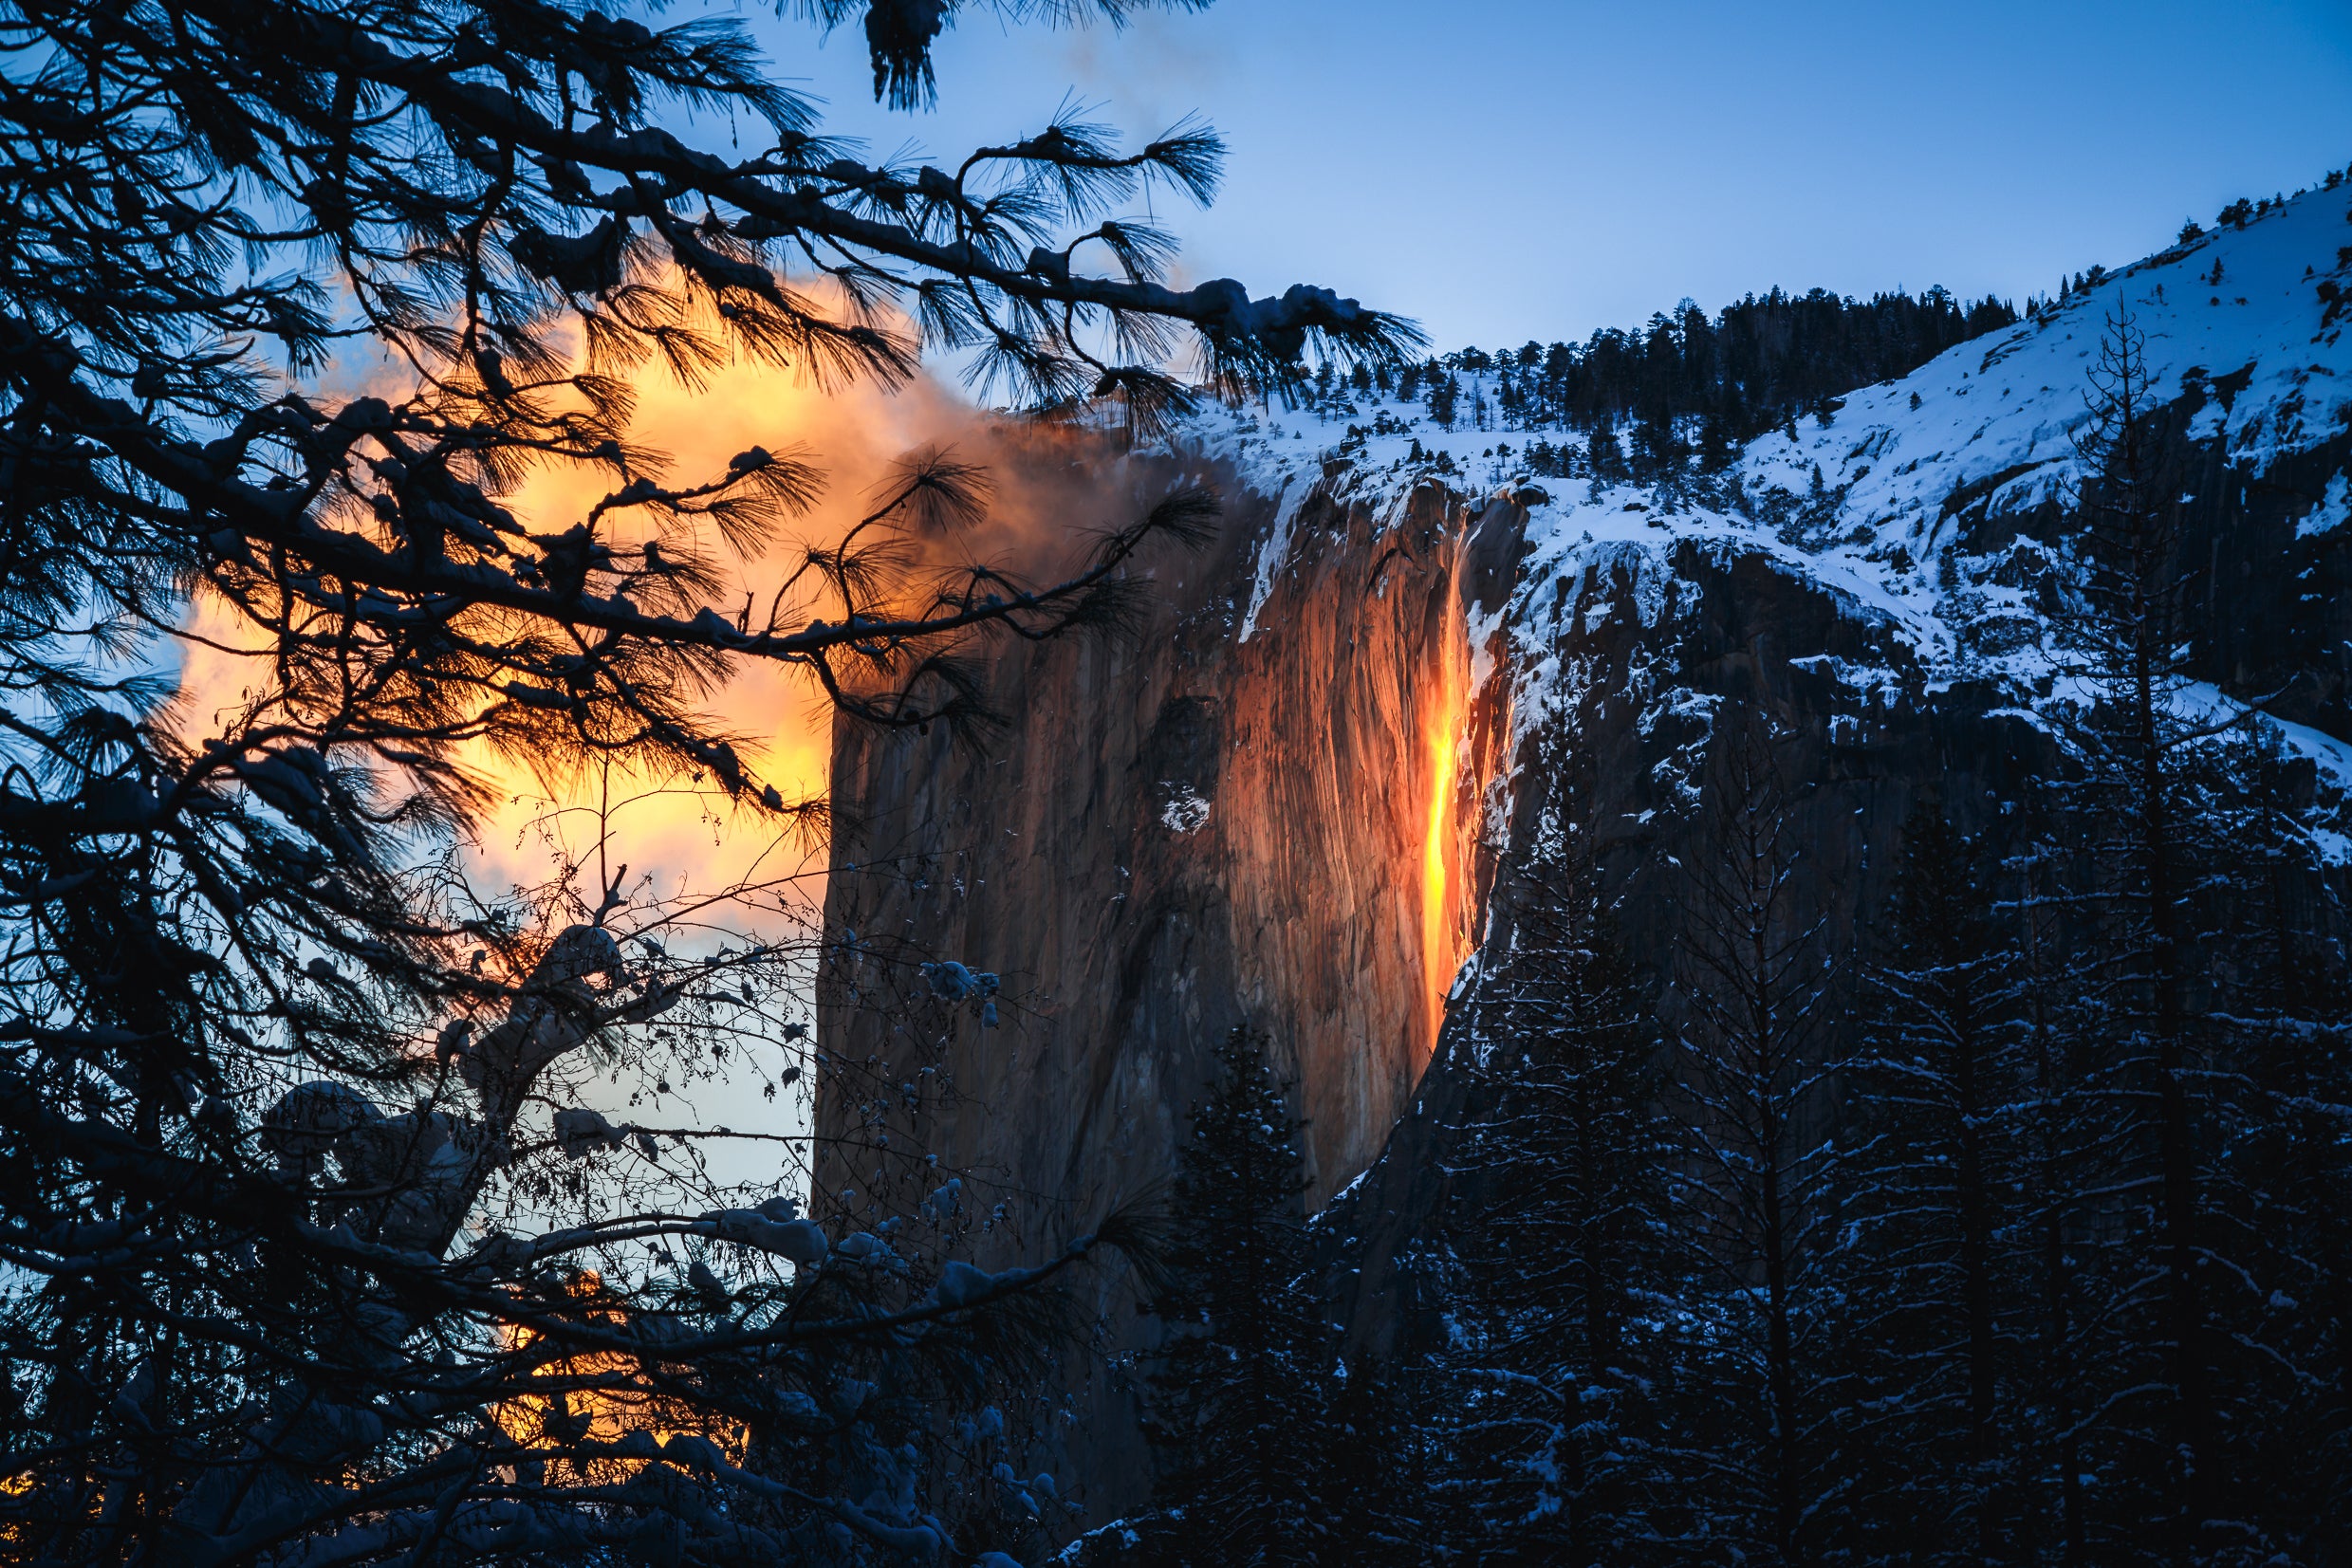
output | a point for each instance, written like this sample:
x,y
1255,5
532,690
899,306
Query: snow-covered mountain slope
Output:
x,y
2234,320
1875,583
1934,508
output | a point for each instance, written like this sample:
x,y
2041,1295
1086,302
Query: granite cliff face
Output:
x,y
1181,832
1261,809
1293,800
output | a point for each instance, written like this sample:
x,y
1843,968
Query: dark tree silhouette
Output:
x,y
1242,1396
311,1259
1751,1069
1759,361
1554,1242
1933,1274
2128,625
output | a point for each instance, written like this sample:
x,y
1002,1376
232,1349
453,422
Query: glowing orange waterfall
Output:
x,y
1445,937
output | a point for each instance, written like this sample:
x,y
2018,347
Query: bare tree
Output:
x,y
2128,624
2187,880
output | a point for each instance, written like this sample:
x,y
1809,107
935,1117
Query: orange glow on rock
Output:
x,y
1434,858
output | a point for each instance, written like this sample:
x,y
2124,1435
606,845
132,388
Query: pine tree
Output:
x,y
313,1243
1445,394
1554,1242
1754,1195
1241,1408
2065,1152
2207,1019
2277,1179
2128,628
1605,457
2264,1041
1929,1264
1373,1482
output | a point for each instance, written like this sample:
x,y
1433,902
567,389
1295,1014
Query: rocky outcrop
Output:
x,y
1649,652
1303,829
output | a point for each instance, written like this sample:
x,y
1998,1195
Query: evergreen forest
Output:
x,y
2008,1228
1651,400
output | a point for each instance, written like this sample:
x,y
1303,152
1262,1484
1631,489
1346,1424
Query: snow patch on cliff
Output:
x,y
1875,502
2233,321
2334,510
1276,550
1185,810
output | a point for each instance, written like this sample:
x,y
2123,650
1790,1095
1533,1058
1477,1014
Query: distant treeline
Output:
x,y
1685,384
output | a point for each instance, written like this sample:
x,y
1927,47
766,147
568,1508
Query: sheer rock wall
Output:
x,y
1177,832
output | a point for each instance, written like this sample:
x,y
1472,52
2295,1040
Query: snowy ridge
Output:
x,y
2233,316
2236,320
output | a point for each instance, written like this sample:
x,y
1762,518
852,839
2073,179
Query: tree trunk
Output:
x,y
1977,1286
2176,1152
2056,1375
1780,1351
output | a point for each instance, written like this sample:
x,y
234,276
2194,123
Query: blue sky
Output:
x,y
1504,170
